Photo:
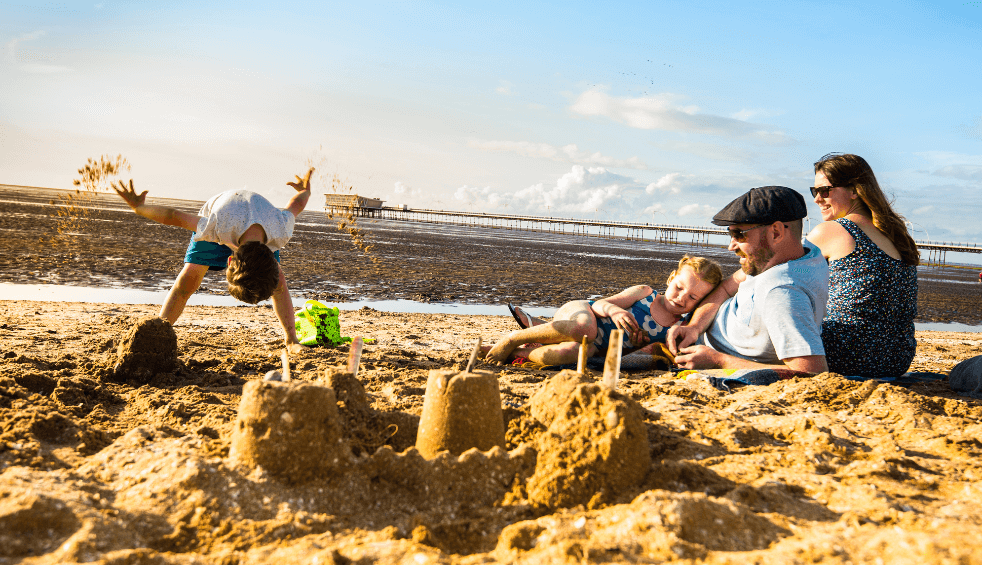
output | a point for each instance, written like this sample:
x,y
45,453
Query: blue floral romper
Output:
x,y
868,329
641,310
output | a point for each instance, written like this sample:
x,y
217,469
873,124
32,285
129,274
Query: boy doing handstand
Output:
x,y
642,313
237,231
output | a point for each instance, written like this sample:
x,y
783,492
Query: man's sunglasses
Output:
x,y
741,235
823,190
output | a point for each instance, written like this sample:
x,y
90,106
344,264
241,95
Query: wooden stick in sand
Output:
x,y
354,355
285,359
477,349
612,365
581,358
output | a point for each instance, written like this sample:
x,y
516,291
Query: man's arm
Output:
x,y
703,357
683,336
299,200
160,214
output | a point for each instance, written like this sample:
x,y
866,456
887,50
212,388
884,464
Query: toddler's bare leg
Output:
x,y
186,284
573,321
560,353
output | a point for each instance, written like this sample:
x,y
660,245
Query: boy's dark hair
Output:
x,y
253,273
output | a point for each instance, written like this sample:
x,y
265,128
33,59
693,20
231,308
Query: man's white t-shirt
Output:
x,y
227,215
776,314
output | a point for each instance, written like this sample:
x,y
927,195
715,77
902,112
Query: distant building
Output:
x,y
358,205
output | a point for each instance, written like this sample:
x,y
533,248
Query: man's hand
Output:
x,y
679,337
302,184
697,357
129,194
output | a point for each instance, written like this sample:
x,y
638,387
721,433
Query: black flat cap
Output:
x,y
763,205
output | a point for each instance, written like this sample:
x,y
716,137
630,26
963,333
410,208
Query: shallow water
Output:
x,y
65,293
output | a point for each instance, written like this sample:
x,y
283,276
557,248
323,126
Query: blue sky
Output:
x,y
650,111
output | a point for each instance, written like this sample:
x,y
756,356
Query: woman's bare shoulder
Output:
x,y
833,239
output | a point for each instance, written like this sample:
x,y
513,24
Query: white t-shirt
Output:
x,y
227,215
776,314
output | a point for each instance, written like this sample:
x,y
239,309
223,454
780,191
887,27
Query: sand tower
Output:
x,y
460,411
290,429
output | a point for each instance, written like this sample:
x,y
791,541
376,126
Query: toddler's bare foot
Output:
x,y
500,352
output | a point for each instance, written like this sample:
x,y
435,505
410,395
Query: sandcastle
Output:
x,y
148,348
595,445
290,429
460,411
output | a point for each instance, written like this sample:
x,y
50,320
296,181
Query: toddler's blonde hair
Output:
x,y
706,269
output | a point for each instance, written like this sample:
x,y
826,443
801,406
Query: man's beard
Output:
x,y
757,262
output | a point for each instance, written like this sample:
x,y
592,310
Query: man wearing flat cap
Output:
x,y
769,313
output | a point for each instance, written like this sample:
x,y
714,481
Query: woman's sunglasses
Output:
x,y
823,190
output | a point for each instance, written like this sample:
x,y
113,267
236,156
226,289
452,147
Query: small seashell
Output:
x,y
273,375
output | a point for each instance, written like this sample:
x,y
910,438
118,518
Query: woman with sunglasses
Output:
x,y
868,329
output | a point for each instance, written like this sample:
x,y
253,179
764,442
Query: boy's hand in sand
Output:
x,y
302,184
295,348
129,194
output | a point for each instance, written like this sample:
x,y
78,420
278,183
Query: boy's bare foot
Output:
x,y
295,348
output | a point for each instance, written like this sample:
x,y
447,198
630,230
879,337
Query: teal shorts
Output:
x,y
214,255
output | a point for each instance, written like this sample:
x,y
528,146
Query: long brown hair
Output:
x,y
853,172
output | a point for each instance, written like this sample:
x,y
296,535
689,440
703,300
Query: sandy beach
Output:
x,y
95,467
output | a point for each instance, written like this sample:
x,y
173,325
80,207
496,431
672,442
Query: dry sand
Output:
x,y
819,470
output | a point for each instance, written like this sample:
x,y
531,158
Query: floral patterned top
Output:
x,y
868,329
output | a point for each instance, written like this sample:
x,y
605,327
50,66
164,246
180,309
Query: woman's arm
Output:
x,y
160,214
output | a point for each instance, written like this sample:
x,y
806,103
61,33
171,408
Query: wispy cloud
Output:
x,y
953,165
504,87
567,153
33,63
697,210
404,190
665,112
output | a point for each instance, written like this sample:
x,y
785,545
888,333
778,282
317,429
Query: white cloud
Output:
x,y
953,165
664,112
963,172
504,88
33,63
923,210
406,191
668,183
581,191
697,210
567,153
483,199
